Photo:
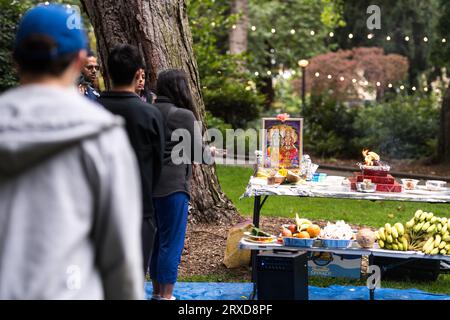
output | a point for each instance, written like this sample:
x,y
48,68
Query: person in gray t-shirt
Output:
x,y
70,197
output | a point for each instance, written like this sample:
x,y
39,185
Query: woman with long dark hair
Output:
x,y
171,197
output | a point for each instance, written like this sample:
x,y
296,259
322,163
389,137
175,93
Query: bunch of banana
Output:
x,y
393,237
435,231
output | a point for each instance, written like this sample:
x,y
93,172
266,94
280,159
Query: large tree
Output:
x,y
161,30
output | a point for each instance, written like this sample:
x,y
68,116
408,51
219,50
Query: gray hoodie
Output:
x,y
70,208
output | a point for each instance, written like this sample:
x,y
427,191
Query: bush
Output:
x,y
406,127
8,20
328,127
233,103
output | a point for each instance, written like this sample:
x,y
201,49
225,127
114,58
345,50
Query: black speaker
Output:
x,y
282,275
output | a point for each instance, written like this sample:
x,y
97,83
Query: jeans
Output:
x,y
171,221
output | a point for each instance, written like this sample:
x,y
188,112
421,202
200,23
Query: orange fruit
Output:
x,y
313,230
303,235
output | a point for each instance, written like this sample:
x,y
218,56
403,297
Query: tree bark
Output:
x,y
160,29
239,35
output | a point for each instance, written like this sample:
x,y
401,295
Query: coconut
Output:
x,y
365,238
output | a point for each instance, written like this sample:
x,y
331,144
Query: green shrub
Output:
x,y
328,127
233,102
405,127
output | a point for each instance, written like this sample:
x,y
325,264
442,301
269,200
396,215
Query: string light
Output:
x,y
414,88
312,32
331,34
370,36
342,78
406,38
234,26
330,76
390,85
402,87
292,31
256,73
354,80
425,89
425,39
213,24
388,38
317,74
273,30
269,73
253,28
350,36
378,84
444,40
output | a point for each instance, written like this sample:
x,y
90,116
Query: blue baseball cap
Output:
x,y
61,23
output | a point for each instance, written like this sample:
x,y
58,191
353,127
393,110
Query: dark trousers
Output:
x,y
148,240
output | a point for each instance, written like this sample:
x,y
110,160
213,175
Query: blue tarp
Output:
x,y
242,291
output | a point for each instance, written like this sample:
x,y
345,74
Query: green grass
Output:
x,y
375,214
360,212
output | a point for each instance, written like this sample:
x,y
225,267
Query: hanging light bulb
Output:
x,y
388,38
331,34
370,36
317,74
444,40
330,76
425,89
312,32
406,38
350,36
414,88
273,30
234,26
425,39
256,74
354,80
378,84
253,28
342,78
269,73
292,31
402,87
390,85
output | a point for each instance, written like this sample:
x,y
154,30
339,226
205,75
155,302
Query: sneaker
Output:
x,y
156,297
171,298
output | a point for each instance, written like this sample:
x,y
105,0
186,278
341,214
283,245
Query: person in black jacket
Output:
x,y
172,195
145,128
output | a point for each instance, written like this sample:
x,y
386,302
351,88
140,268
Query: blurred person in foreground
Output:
x,y
70,207
145,130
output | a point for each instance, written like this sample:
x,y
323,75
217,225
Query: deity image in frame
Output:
x,y
282,143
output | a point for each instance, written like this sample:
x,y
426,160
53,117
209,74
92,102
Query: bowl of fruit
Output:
x,y
302,234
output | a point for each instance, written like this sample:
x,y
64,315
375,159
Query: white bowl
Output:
x,y
435,185
410,184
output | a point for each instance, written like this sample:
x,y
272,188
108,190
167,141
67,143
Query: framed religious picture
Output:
x,y
282,142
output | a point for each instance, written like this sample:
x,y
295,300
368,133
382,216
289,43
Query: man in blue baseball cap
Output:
x,y
70,198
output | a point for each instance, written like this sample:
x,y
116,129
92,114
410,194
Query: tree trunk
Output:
x,y
239,35
161,31
444,137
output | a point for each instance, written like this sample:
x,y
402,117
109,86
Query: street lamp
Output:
x,y
303,64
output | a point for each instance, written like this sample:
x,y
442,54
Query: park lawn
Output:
x,y
233,181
